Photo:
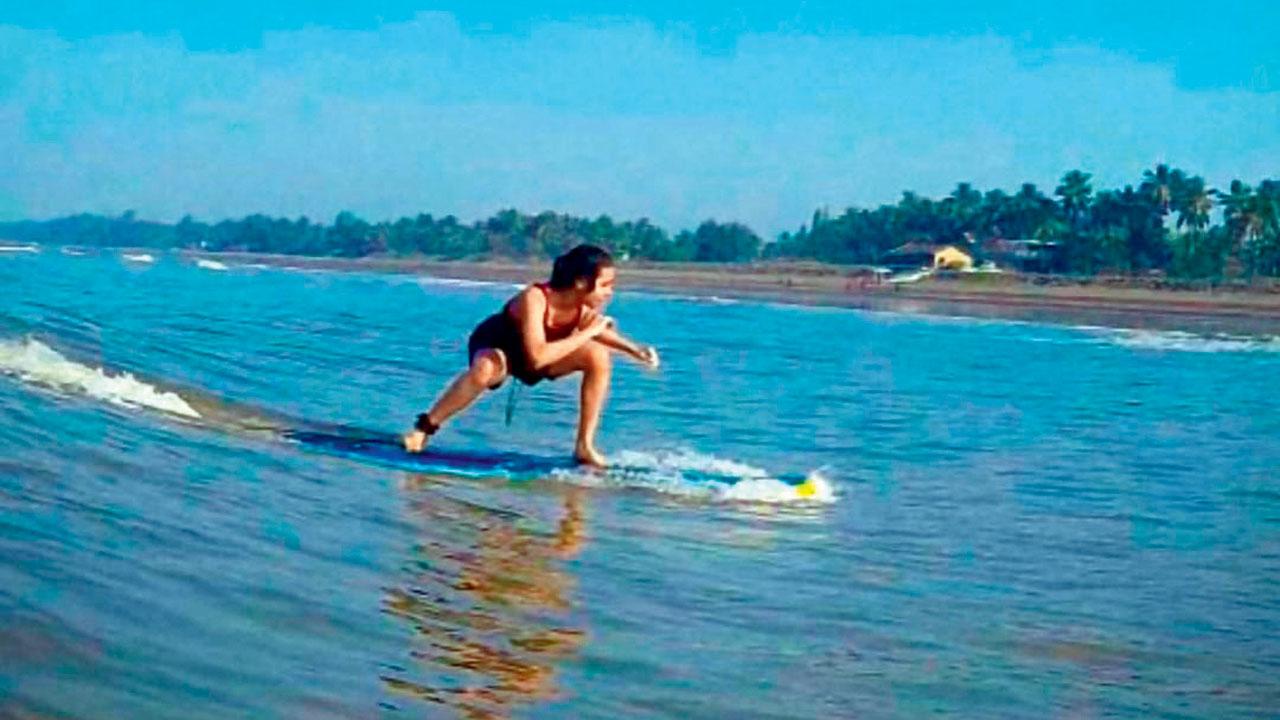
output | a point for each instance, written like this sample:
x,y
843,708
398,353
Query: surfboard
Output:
x,y
386,450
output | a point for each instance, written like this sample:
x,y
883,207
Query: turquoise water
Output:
x,y
1017,520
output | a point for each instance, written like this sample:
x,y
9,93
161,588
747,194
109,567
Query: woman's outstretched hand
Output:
x,y
649,357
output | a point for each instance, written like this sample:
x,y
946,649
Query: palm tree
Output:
x,y
1244,222
1193,202
964,202
959,213
1031,208
1161,184
1132,214
995,206
1239,210
1268,205
915,216
1267,208
1076,193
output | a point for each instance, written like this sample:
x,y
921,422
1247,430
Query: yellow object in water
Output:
x,y
807,488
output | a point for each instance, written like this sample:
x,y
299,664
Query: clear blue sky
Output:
x,y
673,111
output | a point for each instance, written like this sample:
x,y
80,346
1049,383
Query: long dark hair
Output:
x,y
583,261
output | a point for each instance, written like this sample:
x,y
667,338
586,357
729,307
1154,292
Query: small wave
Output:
x,y
695,475
34,362
210,264
20,248
139,257
1182,341
459,282
707,299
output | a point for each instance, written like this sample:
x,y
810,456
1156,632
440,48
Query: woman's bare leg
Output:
x,y
596,365
488,368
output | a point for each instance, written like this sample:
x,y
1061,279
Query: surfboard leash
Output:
x,y
511,401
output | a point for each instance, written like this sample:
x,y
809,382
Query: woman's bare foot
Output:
x,y
588,455
414,441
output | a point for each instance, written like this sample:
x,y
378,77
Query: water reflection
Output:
x,y
490,601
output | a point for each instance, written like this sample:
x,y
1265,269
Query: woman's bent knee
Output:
x,y
489,367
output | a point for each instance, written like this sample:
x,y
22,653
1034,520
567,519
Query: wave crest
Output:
x,y
32,361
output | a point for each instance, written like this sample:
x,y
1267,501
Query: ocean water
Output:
x,y
1015,520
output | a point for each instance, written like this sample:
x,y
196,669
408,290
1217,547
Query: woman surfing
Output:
x,y
546,332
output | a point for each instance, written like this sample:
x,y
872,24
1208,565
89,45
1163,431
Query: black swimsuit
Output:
x,y
500,331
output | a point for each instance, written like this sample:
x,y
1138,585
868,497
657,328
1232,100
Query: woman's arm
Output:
x,y
619,342
530,308
644,354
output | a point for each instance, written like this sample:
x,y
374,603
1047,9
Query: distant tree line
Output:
x,y
509,234
1170,222
1164,224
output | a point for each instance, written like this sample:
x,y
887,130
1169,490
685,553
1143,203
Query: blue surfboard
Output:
x,y
386,450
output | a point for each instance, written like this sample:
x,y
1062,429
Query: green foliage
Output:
x,y
509,233
1163,224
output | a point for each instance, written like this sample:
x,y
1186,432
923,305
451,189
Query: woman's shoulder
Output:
x,y
531,297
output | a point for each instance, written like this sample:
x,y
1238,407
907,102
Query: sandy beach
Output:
x,y
1108,302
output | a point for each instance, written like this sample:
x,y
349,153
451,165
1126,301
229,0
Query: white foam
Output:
x,y
20,248
1181,341
700,299
459,282
909,277
139,257
675,461
210,264
691,474
32,361
769,490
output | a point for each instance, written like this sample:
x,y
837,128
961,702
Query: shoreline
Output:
x,y
1005,295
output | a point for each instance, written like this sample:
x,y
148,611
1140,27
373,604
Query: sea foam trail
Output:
x,y
34,362
1180,341
697,475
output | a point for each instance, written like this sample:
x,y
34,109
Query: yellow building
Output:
x,y
949,258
